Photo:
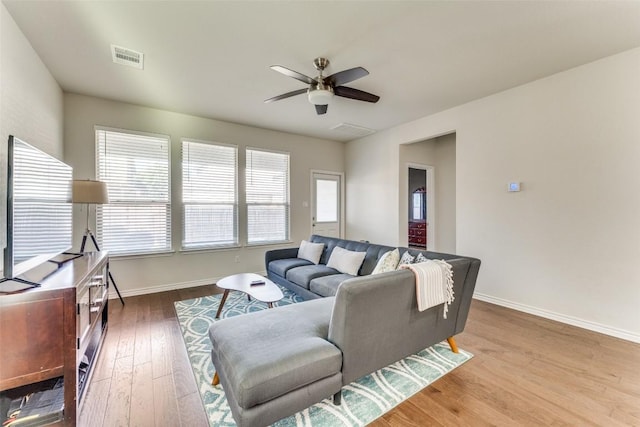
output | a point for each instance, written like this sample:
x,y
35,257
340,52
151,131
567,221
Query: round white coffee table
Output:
x,y
269,292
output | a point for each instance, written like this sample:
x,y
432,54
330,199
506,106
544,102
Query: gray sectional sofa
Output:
x,y
276,362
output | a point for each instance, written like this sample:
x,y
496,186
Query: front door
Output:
x,y
326,209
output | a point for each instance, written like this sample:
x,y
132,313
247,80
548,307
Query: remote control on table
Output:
x,y
257,283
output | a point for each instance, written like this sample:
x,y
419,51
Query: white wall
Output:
x,y
566,247
135,275
445,178
372,182
31,105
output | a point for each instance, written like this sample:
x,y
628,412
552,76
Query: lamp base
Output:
x,y
88,233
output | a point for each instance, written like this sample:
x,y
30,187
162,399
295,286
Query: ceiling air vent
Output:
x,y
352,130
124,56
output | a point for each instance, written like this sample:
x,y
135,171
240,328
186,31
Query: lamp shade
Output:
x,y
320,96
88,191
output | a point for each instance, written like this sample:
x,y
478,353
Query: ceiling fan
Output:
x,y
322,89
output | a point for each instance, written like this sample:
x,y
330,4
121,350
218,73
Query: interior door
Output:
x,y
326,209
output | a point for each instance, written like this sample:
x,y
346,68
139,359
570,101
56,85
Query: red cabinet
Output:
x,y
418,234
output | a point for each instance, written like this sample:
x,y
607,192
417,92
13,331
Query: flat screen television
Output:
x,y
39,211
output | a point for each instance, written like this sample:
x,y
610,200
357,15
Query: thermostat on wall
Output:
x,y
514,186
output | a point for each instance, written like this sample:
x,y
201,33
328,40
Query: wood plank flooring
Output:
x,y
526,371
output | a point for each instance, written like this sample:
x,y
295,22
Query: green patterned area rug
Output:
x,y
362,401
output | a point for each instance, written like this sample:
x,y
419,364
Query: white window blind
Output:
x,y
267,193
135,167
209,195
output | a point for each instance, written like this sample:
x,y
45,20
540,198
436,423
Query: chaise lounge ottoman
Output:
x,y
285,368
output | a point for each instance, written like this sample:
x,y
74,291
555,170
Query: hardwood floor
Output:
x,y
526,371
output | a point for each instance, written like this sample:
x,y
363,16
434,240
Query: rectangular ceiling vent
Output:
x,y
124,56
352,130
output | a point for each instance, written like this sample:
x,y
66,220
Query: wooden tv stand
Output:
x,y
55,331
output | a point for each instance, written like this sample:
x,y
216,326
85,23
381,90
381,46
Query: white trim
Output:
x,y
133,132
342,198
562,318
168,287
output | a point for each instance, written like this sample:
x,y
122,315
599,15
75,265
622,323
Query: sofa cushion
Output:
x,y
310,251
281,266
406,258
266,355
327,286
302,276
374,252
346,261
388,262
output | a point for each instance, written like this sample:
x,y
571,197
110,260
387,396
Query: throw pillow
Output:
x,y
420,258
388,262
310,251
346,261
407,258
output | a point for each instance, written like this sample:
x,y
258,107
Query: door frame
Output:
x,y
312,202
431,200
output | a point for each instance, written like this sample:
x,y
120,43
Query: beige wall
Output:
x,y
135,275
565,247
30,102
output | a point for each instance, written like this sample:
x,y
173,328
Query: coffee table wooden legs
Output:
x,y
216,379
452,344
224,299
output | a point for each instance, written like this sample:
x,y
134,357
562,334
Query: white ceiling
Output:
x,y
212,58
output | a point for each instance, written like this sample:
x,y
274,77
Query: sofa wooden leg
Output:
x,y
337,398
216,379
452,344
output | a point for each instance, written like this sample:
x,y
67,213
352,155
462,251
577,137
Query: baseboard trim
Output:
x,y
167,287
562,318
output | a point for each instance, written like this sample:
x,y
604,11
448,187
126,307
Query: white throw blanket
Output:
x,y
434,284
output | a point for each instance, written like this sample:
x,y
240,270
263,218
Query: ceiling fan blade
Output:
x,y
296,75
321,109
286,95
360,95
346,76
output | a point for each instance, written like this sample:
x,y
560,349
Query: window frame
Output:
x,y
236,205
287,237
168,249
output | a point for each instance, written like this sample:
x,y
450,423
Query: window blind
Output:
x,y
267,194
135,167
209,195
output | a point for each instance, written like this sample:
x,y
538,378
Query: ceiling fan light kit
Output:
x,y
320,96
322,89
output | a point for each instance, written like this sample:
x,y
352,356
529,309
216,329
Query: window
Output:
x,y
267,192
135,167
209,195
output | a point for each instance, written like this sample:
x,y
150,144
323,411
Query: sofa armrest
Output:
x,y
369,319
376,322
275,254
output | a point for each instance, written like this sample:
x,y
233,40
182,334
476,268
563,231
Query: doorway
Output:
x,y
421,207
326,204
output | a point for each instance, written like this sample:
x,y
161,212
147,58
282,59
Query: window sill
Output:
x,y
138,256
190,251
284,242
